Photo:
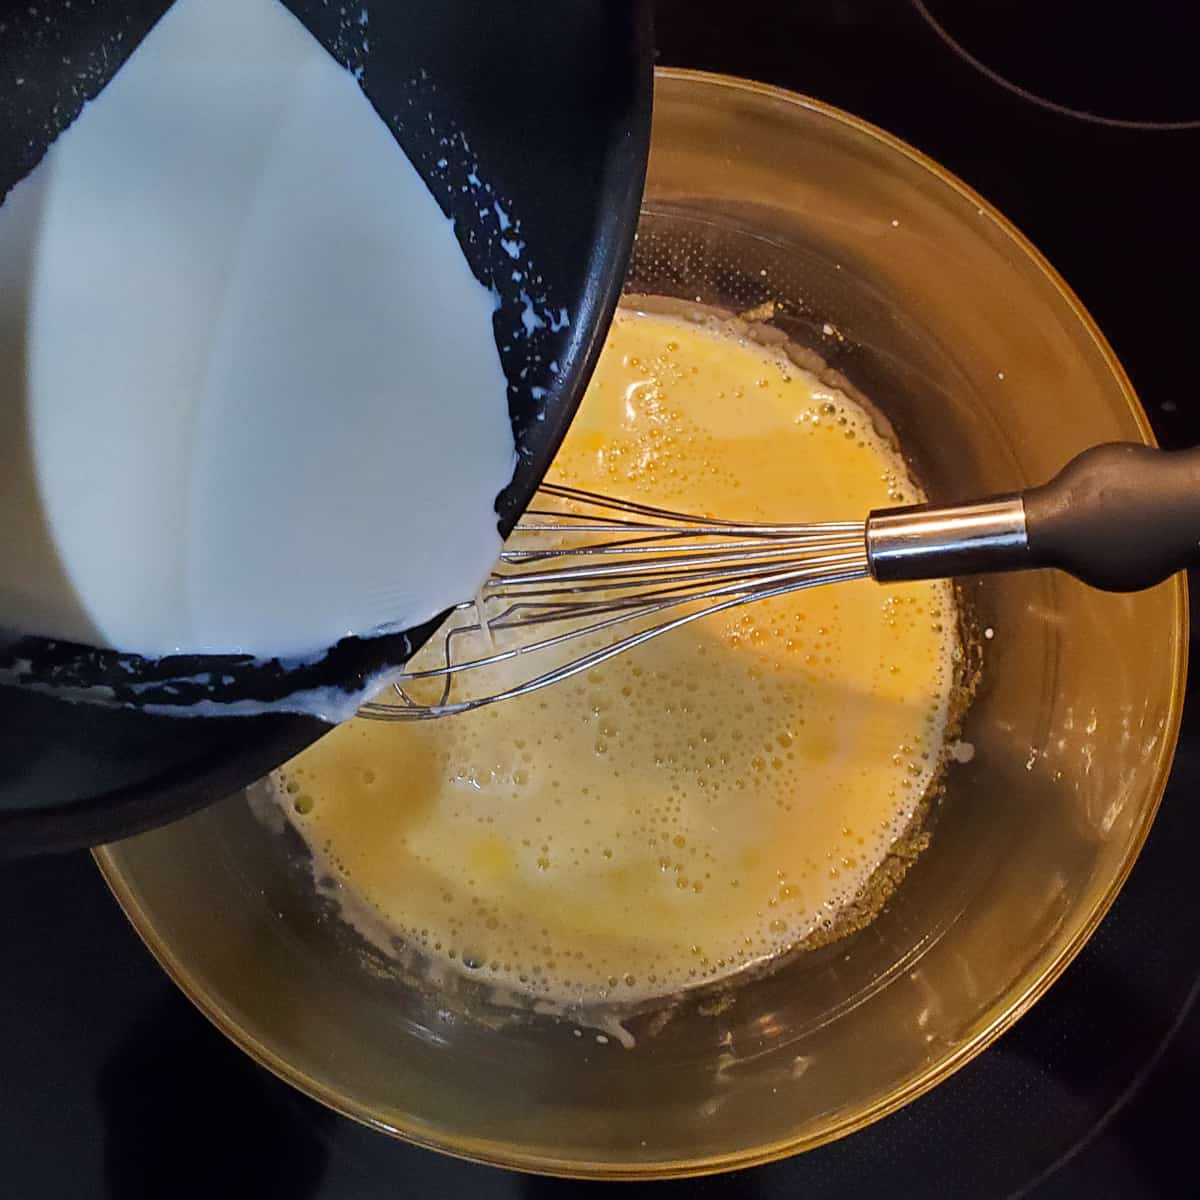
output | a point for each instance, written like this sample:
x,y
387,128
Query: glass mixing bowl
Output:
x,y
992,376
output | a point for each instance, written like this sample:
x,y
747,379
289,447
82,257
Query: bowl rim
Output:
x,y
1001,1014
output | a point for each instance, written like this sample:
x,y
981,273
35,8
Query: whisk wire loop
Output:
x,y
586,577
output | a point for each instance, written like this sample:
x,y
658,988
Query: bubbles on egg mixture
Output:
x,y
705,802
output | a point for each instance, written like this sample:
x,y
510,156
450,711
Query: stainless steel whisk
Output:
x,y
586,577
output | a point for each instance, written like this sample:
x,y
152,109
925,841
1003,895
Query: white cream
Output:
x,y
250,396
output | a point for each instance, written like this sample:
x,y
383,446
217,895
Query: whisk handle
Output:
x,y
1121,517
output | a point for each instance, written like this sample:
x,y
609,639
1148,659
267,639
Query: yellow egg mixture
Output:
x,y
705,801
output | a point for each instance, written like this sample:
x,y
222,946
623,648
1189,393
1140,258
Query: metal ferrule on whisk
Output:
x,y
933,543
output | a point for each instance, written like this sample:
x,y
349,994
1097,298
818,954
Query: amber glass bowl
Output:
x,y
992,375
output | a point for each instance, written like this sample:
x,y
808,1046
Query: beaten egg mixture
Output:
x,y
705,801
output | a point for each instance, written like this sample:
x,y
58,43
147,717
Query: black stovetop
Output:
x,y
112,1085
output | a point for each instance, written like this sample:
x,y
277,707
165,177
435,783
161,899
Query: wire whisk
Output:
x,y
586,577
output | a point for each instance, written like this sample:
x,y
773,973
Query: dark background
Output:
x,y
112,1085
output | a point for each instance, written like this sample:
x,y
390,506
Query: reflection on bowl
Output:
x,y
992,377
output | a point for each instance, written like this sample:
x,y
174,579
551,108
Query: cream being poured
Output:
x,y
251,399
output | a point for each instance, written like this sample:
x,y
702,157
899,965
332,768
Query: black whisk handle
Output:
x,y
1119,516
